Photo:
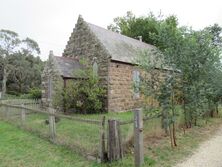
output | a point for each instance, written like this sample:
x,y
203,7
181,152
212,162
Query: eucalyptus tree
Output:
x,y
19,66
195,55
26,71
194,74
9,41
148,61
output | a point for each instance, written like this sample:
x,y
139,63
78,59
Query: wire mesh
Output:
x,y
81,134
83,137
152,128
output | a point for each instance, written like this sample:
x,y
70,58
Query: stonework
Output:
x,y
113,54
50,72
121,94
83,44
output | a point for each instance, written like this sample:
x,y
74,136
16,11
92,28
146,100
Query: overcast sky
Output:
x,y
50,22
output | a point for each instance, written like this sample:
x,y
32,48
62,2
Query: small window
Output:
x,y
136,84
95,68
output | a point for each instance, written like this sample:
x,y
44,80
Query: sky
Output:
x,y
50,22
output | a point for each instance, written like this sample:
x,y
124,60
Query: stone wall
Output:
x,y
50,71
83,44
121,95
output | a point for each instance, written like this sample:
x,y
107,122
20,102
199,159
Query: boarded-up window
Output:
x,y
49,88
136,84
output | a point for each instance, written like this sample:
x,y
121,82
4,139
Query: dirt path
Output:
x,y
209,154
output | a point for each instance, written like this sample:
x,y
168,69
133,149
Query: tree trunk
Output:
x,y
173,112
195,121
164,123
171,138
211,113
185,114
174,135
217,110
20,87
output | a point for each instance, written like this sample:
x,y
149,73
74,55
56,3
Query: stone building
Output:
x,y
56,73
113,53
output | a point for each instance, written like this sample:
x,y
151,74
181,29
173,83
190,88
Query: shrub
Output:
x,y
83,95
35,93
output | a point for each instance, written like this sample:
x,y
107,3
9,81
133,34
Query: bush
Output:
x,y
35,93
83,95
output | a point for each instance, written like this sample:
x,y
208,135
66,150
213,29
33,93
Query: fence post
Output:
x,y
114,144
138,137
23,114
52,126
103,153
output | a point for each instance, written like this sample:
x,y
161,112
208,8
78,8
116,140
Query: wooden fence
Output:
x,y
99,139
138,133
12,111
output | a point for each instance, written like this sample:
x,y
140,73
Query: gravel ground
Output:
x,y
209,154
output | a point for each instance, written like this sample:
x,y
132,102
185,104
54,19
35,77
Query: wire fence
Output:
x,y
93,136
80,134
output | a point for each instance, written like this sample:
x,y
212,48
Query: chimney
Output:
x,y
140,38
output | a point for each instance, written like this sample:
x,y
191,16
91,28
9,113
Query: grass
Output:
x,y
82,137
19,148
158,151
161,154
156,146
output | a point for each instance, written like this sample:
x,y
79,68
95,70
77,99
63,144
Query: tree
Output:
x,y
19,67
8,42
145,26
195,54
193,62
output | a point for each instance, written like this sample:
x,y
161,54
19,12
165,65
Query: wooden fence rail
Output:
x,y
90,121
23,110
111,145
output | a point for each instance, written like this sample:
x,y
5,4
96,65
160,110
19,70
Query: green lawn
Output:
x,y
19,148
82,137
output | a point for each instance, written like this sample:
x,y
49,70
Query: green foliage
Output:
x,y
20,66
196,55
145,26
26,72
84,95
35,93
190,59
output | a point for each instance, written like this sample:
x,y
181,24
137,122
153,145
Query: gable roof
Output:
x,y
67,66
120,47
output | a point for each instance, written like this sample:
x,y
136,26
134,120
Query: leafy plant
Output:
x,y
35,93
83,95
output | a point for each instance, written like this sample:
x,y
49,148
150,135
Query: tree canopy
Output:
x,y
20,65
194,57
